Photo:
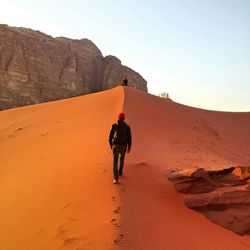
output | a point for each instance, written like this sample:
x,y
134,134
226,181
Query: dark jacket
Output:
x,y
125,82
128,139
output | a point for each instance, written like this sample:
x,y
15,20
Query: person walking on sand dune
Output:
x,y
125,81
120,141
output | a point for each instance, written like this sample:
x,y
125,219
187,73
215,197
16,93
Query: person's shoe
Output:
x,y
115,181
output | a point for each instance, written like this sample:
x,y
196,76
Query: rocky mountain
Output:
x,y
35,68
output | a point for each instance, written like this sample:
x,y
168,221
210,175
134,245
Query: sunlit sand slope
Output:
x,y
55,175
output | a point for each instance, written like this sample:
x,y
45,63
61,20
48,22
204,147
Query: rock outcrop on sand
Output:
x,y
223,196
36,68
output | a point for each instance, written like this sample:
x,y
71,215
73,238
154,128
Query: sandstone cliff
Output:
x,y
35,68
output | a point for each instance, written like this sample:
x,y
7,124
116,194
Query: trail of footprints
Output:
x,y
115,222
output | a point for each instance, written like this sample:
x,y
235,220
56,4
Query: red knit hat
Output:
x,y
121,116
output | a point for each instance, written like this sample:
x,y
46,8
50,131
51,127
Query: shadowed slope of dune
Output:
x,y
165,130
166,136
56,173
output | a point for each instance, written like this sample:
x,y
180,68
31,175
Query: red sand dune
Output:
x,y
56,174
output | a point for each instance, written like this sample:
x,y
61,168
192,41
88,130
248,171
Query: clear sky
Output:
x,y
196,50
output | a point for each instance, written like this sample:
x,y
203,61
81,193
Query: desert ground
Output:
x,y
56,189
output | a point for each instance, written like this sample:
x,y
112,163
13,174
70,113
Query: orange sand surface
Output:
x,y
56,189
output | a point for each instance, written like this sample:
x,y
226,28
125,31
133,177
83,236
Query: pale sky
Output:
x,y
196,50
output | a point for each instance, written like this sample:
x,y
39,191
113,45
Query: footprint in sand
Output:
x,y
122,190
43,134
118,240
66,205
115,222
67,240
61,230
141,163
114,198
40,230
71,241
117,210
18,129
15,131
71,219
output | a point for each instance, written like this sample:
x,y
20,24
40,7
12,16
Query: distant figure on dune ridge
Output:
x,y
125,81
120,142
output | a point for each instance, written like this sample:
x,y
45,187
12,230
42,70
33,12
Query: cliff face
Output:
x,y
35,68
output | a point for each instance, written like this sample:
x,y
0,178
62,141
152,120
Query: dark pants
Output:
x,y
118,150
